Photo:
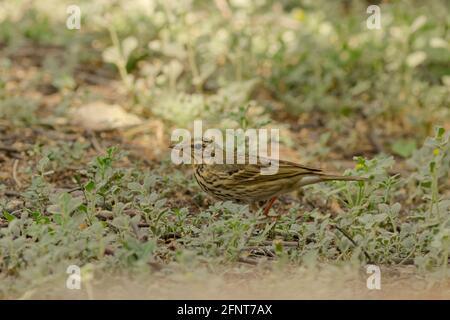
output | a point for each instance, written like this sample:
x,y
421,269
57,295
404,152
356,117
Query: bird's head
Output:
x,y
194,147
193,144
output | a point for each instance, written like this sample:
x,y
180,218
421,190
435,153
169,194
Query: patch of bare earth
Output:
x,y
255,282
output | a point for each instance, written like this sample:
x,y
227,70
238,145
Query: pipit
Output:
x,y
244,183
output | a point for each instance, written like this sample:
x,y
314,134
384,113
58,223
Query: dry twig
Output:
x,y
14,173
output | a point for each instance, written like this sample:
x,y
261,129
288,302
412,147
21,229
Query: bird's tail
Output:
x,y
327,177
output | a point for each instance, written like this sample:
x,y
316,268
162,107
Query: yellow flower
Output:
x,y
298,14
436,152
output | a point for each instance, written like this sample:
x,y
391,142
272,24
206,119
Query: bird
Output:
x,y
244,183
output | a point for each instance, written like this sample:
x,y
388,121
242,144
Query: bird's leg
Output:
x,y
269,205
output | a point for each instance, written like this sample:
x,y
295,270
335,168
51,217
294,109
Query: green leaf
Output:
x,y
111,55
426,184
89,186
83,208
380,217
135,186
404,147
111,151
8,216
39,218
432,166
128,45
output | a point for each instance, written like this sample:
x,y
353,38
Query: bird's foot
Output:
x,y
269,205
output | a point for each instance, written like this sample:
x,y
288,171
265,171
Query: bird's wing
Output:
x,y
251,173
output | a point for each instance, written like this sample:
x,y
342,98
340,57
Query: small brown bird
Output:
x,y
244,183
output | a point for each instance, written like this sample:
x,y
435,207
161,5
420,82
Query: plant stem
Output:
x,y
434,193
121,63
193,65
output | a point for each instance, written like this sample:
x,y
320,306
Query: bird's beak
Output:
x,y
178,145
